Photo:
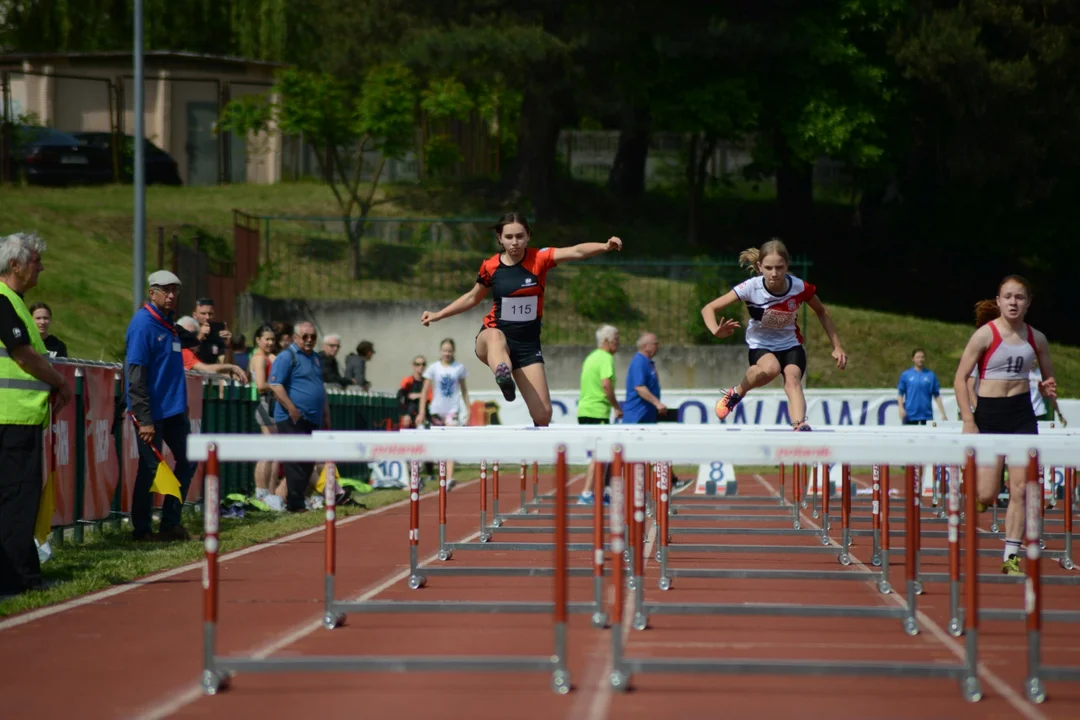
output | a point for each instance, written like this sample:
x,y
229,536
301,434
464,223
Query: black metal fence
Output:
x,y
437,259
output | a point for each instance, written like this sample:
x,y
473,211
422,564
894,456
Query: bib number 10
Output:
x,y
519,309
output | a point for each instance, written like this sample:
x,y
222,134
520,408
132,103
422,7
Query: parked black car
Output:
x,y
161,168
43,156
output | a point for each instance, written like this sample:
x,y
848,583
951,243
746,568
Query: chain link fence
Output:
x,y
438,259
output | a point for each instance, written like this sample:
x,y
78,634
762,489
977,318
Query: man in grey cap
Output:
x,y
157,397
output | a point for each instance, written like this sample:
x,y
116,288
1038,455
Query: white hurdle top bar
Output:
x,y
684,444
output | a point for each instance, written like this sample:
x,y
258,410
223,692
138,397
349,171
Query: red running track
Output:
x,y
147,640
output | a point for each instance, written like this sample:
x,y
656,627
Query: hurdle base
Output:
x,y
523,546
374,663
775,609
459,607
743,531
736,574
781,667
506,571
999,579
717,548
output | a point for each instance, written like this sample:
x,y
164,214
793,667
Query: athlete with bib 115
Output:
x,y
1003,349
509,341
773,297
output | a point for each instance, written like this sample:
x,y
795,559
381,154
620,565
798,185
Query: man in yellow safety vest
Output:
x,y
27,382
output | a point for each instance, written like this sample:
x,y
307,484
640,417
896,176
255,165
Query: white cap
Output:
x,y
161,278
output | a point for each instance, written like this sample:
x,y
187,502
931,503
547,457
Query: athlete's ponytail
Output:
x,y
986,311
750,257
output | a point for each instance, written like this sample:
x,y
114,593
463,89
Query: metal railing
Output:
x,y
93,496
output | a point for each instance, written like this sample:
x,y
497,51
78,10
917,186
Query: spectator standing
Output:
x,y
643,404
261,361
192,361
27,384
241,357
283,332
215,340
157,397
411,390
331,373
356,365
597,399
43,319
918,385
302,406
445,380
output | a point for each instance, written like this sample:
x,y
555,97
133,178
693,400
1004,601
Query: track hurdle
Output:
x,y
373,447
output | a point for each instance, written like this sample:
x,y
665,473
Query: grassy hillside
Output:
x,y
87,280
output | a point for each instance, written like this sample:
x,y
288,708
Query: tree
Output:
x,y
342,126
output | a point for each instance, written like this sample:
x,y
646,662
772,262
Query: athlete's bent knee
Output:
x,y
542,417
987,495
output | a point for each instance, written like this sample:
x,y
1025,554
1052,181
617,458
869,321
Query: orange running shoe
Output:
x,y
726,404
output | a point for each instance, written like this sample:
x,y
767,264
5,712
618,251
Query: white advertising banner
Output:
x,y
760,407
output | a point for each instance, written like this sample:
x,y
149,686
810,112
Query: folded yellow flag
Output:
x,y
165,482
46,507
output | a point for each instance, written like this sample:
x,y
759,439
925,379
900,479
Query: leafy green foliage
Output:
x,y
598,295
710,282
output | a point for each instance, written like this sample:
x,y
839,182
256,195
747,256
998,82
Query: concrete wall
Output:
x,y
398,336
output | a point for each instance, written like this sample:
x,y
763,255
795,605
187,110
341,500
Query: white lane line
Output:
x,y
186,697
989,677
597,705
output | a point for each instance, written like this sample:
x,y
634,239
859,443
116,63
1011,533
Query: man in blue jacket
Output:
x,y
918,384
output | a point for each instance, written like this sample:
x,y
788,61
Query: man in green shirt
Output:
x,y
597,398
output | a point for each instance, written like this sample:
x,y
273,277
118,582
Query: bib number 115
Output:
x,y
519,309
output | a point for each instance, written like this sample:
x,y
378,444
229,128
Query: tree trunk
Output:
x,y
627,177
532,174
794,193
698,153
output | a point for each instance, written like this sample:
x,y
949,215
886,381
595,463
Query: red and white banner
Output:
x,y
102,467
60,455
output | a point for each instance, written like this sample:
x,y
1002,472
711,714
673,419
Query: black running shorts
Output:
x,y
792,356
522,352
1006,415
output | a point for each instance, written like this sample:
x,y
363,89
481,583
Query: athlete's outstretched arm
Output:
x,y
584,251
977,345
1048,386
464,303
725,327
826,322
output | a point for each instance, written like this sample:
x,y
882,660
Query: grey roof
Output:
x,y
14,57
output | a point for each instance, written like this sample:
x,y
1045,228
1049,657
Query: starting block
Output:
x,y
716,478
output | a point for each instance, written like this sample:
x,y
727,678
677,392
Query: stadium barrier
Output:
x,y
91,451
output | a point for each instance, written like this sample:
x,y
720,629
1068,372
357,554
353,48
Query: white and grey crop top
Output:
x,y
1003,361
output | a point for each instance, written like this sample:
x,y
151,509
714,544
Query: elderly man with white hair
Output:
x,y
331,372
643,384
27,384
597,400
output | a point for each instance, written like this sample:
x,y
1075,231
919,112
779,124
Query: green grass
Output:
x,y
109,557
87,280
